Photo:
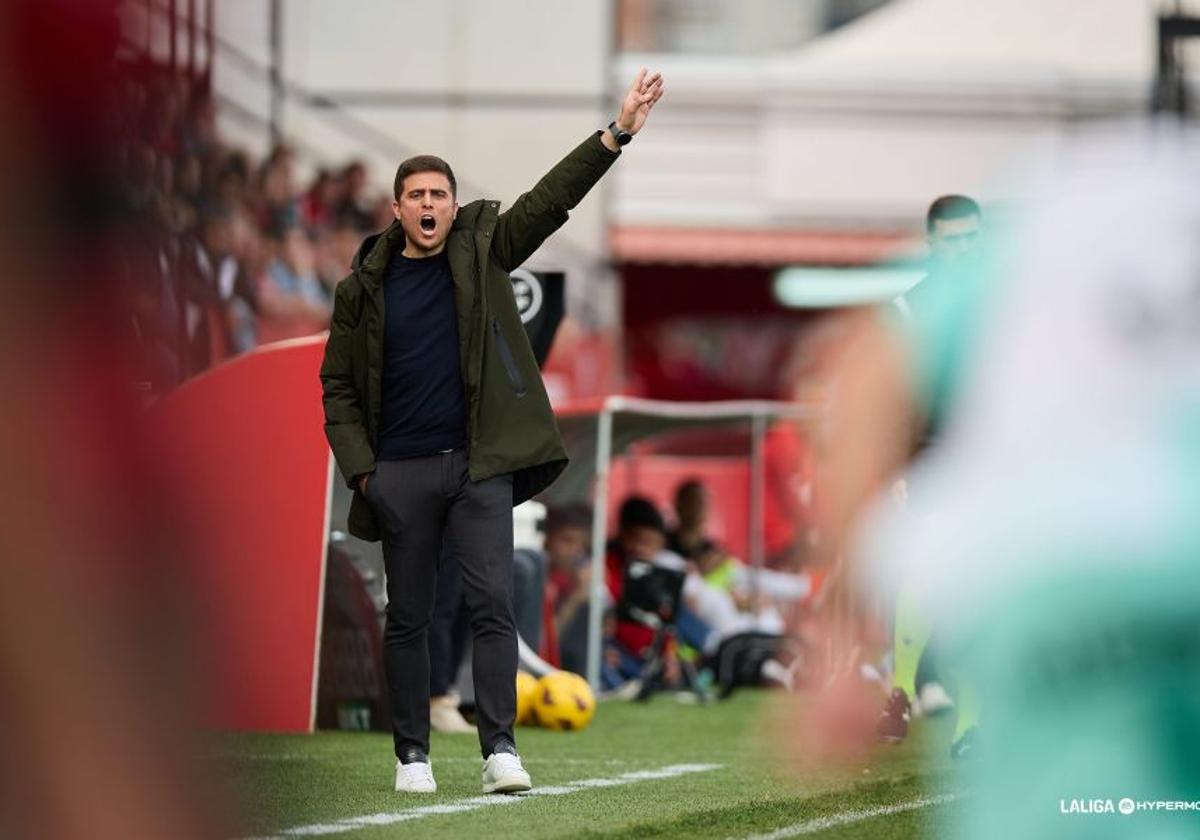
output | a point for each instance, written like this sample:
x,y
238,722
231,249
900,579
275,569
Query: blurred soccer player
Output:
x,y
437,416
98,704
1060,553
953,228
954,231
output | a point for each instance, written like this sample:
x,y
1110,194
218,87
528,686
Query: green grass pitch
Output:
x,y
283,782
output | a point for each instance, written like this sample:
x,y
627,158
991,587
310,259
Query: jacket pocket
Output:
x,y
506,356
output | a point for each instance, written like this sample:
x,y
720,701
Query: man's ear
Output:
x,y
396,209
455,216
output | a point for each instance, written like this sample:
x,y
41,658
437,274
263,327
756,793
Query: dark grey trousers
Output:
x,y
428,507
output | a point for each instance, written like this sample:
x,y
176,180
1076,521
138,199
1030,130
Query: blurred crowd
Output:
x,y
674,595
226,251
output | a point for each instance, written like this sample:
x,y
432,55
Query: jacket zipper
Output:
x,y
510,364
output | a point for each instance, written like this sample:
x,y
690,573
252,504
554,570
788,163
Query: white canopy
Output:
x,y
952,43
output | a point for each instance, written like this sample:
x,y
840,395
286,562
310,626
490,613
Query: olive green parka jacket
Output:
x,y
510,425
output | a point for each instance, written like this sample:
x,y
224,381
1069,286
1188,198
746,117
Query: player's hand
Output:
x,y
834,725
643,93
362,483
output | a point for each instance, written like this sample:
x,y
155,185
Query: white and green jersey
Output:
x,y
1066,374
1057,532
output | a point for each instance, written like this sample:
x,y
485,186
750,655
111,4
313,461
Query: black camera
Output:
x,y
650,594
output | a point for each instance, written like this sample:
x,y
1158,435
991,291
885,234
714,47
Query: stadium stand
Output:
x,y
224,252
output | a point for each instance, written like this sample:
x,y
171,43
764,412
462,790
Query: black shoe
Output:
x,y
964,747
892,727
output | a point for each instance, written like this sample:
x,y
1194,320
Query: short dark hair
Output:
x,y
640,512
424,163
950,207
688,487
569,516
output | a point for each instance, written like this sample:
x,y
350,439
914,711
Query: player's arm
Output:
x,y
869,431
344,426
522,228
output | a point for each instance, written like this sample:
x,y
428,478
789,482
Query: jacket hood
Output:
x,y
364,249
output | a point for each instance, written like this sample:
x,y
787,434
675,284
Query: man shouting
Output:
x,y
437,416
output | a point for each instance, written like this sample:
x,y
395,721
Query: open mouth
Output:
x,y
428,224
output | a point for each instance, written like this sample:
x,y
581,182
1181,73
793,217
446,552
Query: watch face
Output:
x,y
622,137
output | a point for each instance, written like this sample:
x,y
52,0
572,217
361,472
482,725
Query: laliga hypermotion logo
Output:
x,y
1086,806
1125,806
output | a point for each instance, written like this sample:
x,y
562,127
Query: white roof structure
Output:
x,y
860,128
940,44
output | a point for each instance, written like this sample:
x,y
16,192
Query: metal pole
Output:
x,y
191,25
148,54
276,77
210,37
171,26
604,429
758,479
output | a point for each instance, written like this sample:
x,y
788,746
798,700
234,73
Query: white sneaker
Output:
x,y
444,716
503,773
776,673
932,700
415,777
628,690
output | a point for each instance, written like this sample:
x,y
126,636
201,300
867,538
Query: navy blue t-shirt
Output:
x,y
423,410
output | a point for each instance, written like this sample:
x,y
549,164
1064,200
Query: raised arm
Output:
x,y
538,213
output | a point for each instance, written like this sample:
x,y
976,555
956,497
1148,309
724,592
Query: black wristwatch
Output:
x,y
622,137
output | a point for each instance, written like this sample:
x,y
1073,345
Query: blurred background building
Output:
x,y
809,135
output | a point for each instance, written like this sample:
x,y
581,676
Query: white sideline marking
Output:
x,y
476,802
456,759
852,816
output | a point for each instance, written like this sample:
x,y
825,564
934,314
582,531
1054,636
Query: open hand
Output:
x,y
643,93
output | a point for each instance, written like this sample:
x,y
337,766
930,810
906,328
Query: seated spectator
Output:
x,y
529,594
724,571
743,641
319,202
724,611
690,537
355,208
228,179
335,250
748,586
186,185
229,245
220,255
276,207
290,300
710,615
641,536
569,577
